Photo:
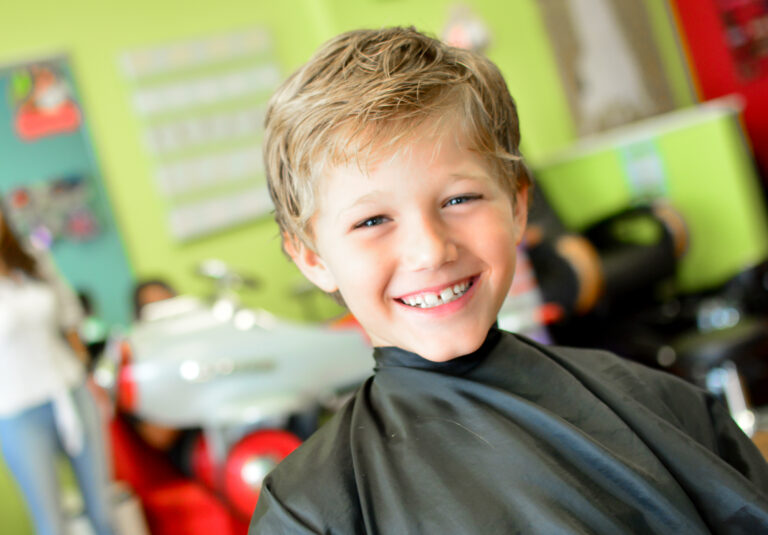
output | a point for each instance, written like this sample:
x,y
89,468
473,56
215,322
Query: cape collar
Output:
x,y
388,357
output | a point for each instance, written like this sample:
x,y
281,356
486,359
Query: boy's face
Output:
x,y
422,247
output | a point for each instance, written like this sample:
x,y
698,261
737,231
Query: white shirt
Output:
x,y
36,362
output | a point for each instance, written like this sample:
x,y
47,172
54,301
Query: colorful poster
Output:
x,y
60,208
43,102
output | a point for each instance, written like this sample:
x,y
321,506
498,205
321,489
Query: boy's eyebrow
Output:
x,y
469,176
369,197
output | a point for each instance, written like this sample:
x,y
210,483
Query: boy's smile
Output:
x,y
421,246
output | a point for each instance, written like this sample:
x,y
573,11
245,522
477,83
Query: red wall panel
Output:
x,y
716,69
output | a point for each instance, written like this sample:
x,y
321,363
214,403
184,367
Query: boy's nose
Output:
x,y
428,245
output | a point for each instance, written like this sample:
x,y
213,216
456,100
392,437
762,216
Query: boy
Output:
x,y
394,168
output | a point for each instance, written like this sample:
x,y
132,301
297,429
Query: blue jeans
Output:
x,y
30,444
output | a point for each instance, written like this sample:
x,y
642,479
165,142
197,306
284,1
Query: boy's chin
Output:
x,y
457,346
437,341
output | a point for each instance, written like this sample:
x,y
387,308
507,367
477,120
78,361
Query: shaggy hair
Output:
x,y
362,94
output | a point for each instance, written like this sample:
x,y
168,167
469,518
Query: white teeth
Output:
x,y
414,301
431,300
446,294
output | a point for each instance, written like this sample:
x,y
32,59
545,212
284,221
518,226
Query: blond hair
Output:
x,y
365,91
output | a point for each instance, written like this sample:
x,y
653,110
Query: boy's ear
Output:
x,y
520,213
309,263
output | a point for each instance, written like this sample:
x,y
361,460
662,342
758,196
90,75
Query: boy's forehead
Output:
x,y
367,150
360,167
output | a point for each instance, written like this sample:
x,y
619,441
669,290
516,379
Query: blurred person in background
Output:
x,y
150,291
158,436
45,405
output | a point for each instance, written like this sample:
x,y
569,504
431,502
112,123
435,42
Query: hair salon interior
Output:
x,y
130,165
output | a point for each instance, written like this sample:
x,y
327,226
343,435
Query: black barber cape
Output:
x,y
520,438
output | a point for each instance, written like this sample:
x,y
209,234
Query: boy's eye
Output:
x,y
461,199
371,221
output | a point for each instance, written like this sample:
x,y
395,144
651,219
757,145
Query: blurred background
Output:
x,y
129,151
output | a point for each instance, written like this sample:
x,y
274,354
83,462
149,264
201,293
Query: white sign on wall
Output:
x,y
200,104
